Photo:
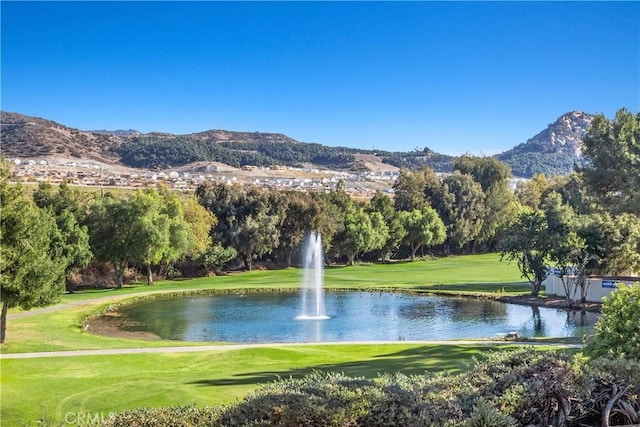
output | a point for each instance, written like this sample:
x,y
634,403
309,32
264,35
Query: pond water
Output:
x,y
354,316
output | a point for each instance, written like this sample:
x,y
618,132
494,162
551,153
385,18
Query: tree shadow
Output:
x,y
412,361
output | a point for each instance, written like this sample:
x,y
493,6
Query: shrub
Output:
x,y
177,416
617,333
485,415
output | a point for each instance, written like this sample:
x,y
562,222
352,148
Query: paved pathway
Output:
x,y
98,300
229,347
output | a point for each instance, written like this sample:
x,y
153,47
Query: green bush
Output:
x,y
485,415
176,416
617,333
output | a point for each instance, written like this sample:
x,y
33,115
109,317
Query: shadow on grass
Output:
x,y
413,361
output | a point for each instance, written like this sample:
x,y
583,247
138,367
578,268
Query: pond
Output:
x,y
353,316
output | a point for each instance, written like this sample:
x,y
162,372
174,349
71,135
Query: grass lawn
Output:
x,y
113,383
103,384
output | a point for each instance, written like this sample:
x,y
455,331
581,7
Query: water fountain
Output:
x,y
312,279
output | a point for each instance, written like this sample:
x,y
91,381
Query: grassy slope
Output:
x,y
113,383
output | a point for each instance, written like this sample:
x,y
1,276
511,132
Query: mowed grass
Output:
x,y
110,383
104,384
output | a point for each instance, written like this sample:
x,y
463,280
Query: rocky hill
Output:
x,y
554,151
24,136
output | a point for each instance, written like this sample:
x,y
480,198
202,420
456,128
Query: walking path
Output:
x,y
229,347
98,300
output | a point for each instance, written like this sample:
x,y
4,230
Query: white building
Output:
x,y
597,286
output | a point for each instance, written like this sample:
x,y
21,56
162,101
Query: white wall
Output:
x,y
597,287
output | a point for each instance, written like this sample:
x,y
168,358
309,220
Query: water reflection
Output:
x,y
355,316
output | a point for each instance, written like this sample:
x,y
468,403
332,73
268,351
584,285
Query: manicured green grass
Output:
x,y
102,384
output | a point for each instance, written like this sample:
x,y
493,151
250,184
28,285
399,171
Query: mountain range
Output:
x,y
554,150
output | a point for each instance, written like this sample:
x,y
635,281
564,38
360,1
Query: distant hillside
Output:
x,y
24,136
554,151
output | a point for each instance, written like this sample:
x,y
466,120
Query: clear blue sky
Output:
x,y
476,77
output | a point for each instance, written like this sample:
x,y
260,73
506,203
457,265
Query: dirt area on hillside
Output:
x,y
551,302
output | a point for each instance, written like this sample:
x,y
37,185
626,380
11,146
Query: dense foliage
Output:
x,y
527,163
152,151
617,333
612,150
419,158
32,259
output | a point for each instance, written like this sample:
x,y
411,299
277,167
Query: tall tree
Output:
x,y
32,269
113,233
612,172
255,236
200,222
525,241
622,243
410,188
461,207
487,171
151,226
424,228
493,176
72,238
530,193
384,205
302,214
362,233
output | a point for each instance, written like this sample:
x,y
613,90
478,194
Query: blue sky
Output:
x,y
477,77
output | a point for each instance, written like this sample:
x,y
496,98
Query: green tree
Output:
x,y
424,228
362,233
612,171
410,188
493,177
255,236
617,333
461,207
621,242
384,205
489,172
302,214
525,241
72,238
200,222
32,270
530,193
216,257
113,235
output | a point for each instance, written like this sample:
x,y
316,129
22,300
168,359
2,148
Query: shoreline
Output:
x,y
551,302
112,324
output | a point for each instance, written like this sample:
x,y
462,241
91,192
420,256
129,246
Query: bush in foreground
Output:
x,y
618,328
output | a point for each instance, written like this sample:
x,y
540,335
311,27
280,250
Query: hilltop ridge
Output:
x,y
554,150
